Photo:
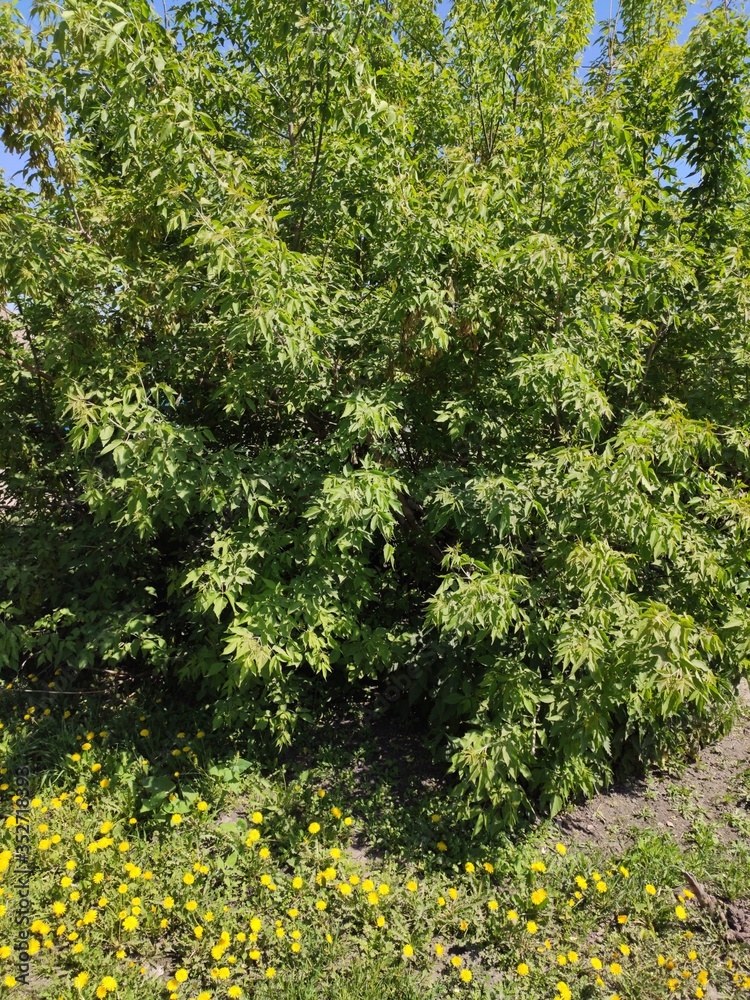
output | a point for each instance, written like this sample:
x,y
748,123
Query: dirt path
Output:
x,y
714,790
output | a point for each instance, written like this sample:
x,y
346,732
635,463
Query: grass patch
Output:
x,y
169,862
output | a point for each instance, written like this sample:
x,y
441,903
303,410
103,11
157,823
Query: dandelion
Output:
x,y
651,889
457,961
615,968
564,991
561,849
270,972
596,963
321,904
624,950
408,951
202,807
465,976
522,969
442,846
492,905
80,980
130,923
538,866
412,886
538,897
469,867
313,828
439,950
680,912
601,886
512,916
257,817
531,927
176,819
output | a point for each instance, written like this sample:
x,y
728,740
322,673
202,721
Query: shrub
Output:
x,y
340,341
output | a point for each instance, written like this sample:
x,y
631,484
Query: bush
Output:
x,y
343,342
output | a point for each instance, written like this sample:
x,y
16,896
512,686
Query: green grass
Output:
x,y
137,762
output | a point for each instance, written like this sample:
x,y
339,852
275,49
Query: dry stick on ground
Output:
x,y
705,899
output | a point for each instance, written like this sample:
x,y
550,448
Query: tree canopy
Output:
x,y
341,341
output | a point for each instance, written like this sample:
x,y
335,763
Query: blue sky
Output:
x,y
10,163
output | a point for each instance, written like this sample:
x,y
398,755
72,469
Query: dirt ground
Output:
x,y
714,790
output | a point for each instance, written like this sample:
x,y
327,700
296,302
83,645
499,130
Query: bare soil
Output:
x,y
715,790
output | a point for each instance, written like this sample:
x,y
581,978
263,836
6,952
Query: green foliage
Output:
x,y
339,340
